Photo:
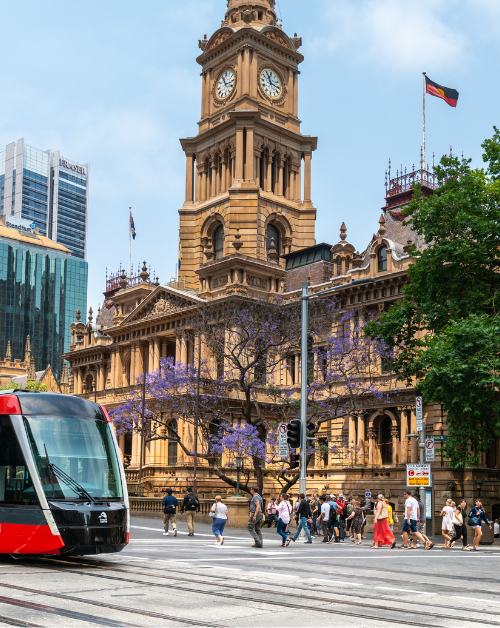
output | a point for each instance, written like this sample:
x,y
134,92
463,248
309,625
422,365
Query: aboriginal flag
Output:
x,y
446,93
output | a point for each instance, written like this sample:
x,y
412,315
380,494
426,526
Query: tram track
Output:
x,y
114,607
281,602
63,612
233,578
10,621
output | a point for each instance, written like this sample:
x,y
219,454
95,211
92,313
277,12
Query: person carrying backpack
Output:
x,y
348,508
169,504
190,506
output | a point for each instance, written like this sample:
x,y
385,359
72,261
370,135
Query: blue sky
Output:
x,y
115,83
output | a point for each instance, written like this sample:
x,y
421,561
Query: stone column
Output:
x,y
249,160
177,350
213,191
156,354
121,443
361,439
183,350
151,356
395,444
204,183
224,175
372,436
269,171
119,369
404,431
298,191
280,167
295,94
254,74
197,188
240,158
352,436
189,177
291,105
98,378
246,70
307,178
136,446
113,368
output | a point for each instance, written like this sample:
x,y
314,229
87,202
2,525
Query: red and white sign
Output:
x,y
430,450
418,475
282,440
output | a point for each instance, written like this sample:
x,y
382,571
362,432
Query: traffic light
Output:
x,y
294,461
294,433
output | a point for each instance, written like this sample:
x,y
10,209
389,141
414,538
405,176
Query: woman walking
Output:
x,y
460,526
283,510
477,515
381,532
447,525
390,518
220,518
356,516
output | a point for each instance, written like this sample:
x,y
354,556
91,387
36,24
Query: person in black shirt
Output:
x,y
190,505
459,519
303,513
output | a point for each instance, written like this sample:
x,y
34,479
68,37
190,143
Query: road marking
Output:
x,y
345,582
474,599
160,530
404,590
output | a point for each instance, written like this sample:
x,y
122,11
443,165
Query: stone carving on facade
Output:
x,y
371,433
277,37
219,282
257,282
165,304
221,37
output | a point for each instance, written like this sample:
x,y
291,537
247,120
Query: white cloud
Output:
x,y
394,34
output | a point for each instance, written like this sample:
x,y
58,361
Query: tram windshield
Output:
x,y
82,449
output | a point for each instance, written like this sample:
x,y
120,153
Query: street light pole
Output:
x,y
239,465
303,388
142,432
197,416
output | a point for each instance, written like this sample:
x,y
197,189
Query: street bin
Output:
x,y
488,537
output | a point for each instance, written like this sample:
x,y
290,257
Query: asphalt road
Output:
x,y
184,581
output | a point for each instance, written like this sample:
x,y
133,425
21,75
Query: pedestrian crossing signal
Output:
x,y
294,461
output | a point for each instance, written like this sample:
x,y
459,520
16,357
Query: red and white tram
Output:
x,y
62,483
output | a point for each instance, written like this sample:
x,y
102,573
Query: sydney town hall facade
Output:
x,y
247,227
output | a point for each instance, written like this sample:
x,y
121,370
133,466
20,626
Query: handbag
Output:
x,y
212,514
457,521
384,513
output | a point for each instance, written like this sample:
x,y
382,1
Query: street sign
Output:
x,y
428,505
282,442
440,439
430,449
419,403
418,475
368,495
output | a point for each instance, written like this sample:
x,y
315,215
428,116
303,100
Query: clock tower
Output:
x,y
248,171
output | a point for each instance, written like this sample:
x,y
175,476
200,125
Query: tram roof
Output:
x,y
49,404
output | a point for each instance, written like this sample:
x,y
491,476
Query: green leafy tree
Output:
x,y
29,385
445,331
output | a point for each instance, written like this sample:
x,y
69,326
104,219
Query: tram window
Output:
x,y
80,448
16,486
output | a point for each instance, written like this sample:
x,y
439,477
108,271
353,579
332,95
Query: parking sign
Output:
x,y
282,440
430,449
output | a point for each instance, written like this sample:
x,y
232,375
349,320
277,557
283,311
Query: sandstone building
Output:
x,y
248,228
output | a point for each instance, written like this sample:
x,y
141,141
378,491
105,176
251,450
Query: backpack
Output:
x,y
191,502
333,514
348,510
169,509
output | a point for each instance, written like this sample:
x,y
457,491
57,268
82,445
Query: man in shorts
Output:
x,y
410,523
420,521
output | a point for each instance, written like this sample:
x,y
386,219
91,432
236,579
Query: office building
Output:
x,y
41,287
44,187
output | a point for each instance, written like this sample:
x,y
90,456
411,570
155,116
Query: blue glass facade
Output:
x,y
40,291
43,187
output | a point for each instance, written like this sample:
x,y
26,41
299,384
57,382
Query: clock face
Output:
x,y
270,83
226,84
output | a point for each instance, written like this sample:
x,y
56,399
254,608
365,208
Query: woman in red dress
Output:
x,y
382,534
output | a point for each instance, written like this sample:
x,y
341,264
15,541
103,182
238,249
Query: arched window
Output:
x,y
382,259
386,440
219,242
273,234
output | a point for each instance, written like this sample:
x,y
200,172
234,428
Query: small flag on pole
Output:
x,y
180,251
132,226
446,93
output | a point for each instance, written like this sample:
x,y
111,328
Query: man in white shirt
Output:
x,y
410,523
496,529
325,519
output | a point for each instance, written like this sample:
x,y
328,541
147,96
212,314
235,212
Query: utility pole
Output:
x,y
197,416
142,432
303,388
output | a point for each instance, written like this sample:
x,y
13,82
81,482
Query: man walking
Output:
x,y
421,520
170,504
410,523
255,521
303,513
334,521
325,519
190,506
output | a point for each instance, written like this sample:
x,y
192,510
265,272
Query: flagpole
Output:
x,y
129,246
423,140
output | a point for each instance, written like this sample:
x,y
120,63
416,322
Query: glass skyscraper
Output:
x,y
41,287
44,187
